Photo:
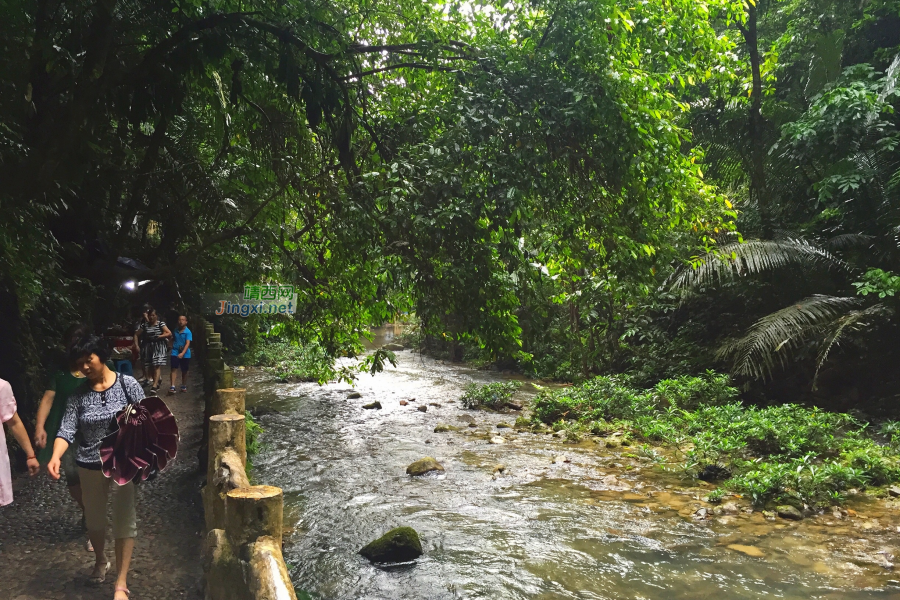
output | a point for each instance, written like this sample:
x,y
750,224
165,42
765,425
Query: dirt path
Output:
x,y
42,555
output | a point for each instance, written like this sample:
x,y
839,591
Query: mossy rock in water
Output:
x,y
372,405
789,512
423,465
443,428
397,545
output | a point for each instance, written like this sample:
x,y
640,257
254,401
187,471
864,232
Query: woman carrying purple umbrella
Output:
x,y
89,412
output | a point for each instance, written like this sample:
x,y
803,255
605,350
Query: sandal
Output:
x,y
123,589
183,388
171,390
98,575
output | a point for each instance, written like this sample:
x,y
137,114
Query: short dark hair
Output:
x,y
90,344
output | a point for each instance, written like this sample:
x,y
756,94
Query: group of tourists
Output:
x,y
151,343
76,412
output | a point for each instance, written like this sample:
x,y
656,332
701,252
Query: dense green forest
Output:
x,y
572,187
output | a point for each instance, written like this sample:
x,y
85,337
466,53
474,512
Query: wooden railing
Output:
x,y
242,557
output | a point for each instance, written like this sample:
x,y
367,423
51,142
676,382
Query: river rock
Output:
x,y
422,408
504,426
423,465
372,405
353,395
513,405
434,404
496,440
393,347
466,418
728,508
610,480
403,403
397,545
788,512
499,468
894,491
612,443
473,425
560,434
443,428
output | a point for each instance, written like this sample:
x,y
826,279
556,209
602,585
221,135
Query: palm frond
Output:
x,y
770,340
753,256
849,240
853,321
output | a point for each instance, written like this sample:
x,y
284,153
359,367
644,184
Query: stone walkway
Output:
x,y
42,555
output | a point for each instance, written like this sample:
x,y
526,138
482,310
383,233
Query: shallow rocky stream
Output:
x,y
561,520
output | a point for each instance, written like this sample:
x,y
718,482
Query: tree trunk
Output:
x,y
758,188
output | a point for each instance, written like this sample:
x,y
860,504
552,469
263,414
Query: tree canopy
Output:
x,y
527,178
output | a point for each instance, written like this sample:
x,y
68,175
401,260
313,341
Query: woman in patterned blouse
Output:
x,y
89,413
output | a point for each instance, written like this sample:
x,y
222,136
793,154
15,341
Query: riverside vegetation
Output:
x,y
784,454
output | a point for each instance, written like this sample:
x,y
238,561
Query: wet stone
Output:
x,y
422,408
423,465
791,513
372,405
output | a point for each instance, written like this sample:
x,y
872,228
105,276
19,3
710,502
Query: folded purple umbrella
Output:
x,y
144,442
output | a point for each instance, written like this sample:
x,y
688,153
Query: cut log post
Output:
x,y
229,472
253,512
229,401
268,575
226,431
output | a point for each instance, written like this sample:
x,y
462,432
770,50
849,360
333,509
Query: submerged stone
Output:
x,y
354,395
423,465
397,545
443,428
393,347
748,550
422,408
372,405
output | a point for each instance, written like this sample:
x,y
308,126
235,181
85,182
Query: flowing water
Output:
x,y
607,524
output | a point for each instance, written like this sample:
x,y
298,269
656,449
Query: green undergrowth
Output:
x,y
491,395
309,362
252,432
787,454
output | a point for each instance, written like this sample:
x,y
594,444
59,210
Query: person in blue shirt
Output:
x,y
181,352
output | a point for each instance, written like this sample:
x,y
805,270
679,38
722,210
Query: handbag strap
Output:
x,y
125,389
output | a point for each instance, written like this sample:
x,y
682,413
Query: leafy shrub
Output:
x,y
715,496
711,389
491,395
308,362
600,399
253,431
